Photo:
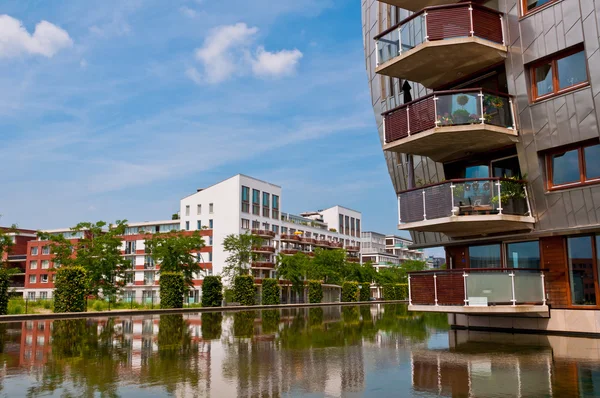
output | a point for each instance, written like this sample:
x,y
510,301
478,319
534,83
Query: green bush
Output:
x,y
350,292
389,293
401,290
271,292
365,291
315,292
212,291
229,295
172,289
4,289
98,305
70,285
243,287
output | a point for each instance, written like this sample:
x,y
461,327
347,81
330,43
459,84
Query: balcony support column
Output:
x,y
399,213
383,128
512,113
454,212
502,26
424,206
527,200
435,113
409,293
408,120
426,37
498,184
471,18
465,286
482,118
512,283
435,288
543,288
400,40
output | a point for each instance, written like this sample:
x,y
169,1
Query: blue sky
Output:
x,y
117,109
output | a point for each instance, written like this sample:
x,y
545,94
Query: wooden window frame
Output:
x,y
594,269
553,61
525,12
583,181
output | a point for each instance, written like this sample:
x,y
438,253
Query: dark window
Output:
x,y
245,199
266,202
573,166
256,202
562,72
487,256
523,254
581,270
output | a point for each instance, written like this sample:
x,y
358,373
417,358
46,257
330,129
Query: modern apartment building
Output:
x,y
17,256
487,116
387,250
237,205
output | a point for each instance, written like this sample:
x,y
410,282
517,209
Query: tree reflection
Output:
x,y
243,323
270,321
212,325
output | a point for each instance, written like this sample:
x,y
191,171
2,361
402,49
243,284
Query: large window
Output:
x,y
256,202
581,270
275,210
266,200
523,255
487,256
532,5
573,166
245,199
558,74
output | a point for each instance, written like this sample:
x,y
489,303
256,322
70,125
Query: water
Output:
x,y
375,351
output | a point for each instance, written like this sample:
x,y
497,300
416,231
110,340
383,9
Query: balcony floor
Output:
x,y
436,63
462,226
526,310
443,144
416,5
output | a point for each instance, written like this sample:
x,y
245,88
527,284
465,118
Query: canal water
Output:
x,y
355,351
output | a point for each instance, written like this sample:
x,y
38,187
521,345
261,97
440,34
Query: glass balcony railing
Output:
x,y
475,107
478,287
439,23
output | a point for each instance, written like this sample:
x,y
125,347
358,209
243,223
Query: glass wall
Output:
x,y
523,255
487,256
581,270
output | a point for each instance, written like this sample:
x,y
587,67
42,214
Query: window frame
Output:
x,y
553,61
583,181
594,269
525,12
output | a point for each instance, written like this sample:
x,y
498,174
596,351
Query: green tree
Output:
x,y
315,292
350,292
172,289
240,254
70,287
330,266
362,273
98,252
6,245
271,292
174,252
212,291
294,269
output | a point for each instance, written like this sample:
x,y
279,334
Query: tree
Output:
x,y
330,266
71,285
174,252
362,273
172,289
244,291
271,292
97,251
212,291
294,269
6,244
240,255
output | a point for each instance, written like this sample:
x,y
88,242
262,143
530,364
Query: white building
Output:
x,y
387,250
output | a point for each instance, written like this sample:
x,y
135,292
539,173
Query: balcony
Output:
x,y
290,238
263,264
467,207
353,248
439,45
323,243
336,245
263,249
353,259
415,5
263,233
309,241
449,125
479,291
289,252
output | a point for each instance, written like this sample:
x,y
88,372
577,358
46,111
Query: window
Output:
x,y
33,264
32,279
130,247
187,210
210,240
341,226
531,5
245,223
209,257
265,201
45,264
211,208
34,251
352,227
199,224
523,255
245,199
558,74
276,229
568,167
284,230
43,296
187,225
357,227
347,226
44,278
199,210
487,256
210,224
46,250
148,278
255,202
581,270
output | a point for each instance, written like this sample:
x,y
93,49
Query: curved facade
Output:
x,y
505,100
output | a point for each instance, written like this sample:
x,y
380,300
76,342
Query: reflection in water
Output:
x,y
378,350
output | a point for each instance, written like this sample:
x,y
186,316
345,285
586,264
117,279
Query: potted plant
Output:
x,y
460,116
512,193
491,106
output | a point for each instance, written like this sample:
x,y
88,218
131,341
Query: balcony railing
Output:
x,y
290,237
264,233
464,197
440,23
263,249
473,287
467,107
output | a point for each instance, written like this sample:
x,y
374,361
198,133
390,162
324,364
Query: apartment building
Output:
x,y
17,257
487,117
387,250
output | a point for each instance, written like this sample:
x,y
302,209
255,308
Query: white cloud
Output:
x,y
83,63
188,11
277,64
226,52
47,39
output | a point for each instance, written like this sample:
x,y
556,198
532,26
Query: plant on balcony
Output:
x,y
491,105
460,116
512,195
445,120
271,292
332,230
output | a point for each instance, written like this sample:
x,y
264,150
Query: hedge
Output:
x,y
271,292
212,291
70,285
243,290
398,291
388,292
350,292
365,291
315,292
4,289
172,289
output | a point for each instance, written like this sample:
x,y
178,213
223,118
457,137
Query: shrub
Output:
x,y
70,286
212,291
315,292
365,291
98,305
4,288
350,292
389,293
401,291
243,288
172,289
271,292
